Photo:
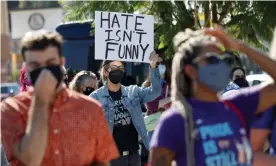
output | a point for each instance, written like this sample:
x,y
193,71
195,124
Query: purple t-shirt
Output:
x,y
268,121
220,141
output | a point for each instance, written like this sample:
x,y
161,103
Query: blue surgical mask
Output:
x,y
162,69
215,76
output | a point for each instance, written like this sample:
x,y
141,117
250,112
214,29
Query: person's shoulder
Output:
x,y
98,90
171,115
243,92
19,102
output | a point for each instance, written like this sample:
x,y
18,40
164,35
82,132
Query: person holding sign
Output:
x,y
122,107
123,36
155,107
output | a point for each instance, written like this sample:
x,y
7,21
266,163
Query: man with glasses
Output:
x,y
122,107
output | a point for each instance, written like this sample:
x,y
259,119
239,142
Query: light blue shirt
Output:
x,y
132,98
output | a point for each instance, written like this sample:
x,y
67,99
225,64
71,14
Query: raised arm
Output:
x,y
150,93
31,148
28,145
268,92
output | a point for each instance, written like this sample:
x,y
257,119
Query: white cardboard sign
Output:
x,y
123,36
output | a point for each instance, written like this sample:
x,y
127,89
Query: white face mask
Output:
x,y
162,69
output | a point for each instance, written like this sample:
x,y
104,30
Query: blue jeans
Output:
x,y
131,160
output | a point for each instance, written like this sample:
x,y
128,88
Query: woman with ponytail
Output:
x,y
201,129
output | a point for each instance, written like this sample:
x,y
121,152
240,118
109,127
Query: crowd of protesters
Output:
x,y
207,113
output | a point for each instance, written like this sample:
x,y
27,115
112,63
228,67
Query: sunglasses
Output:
x,y
113,67
210,58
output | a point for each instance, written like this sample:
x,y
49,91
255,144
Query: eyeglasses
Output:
x,y
113,67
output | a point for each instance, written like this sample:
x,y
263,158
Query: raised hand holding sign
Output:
x,y
123,37
154,59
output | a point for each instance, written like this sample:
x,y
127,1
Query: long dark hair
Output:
x,y
237,68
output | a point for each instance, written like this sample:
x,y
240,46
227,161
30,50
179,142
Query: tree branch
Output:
x,y
206,13
196,17
148,8
225,11
214,12
155,29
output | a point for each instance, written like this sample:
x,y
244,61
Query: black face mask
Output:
x,y
88,91
116,76
55,70
241,82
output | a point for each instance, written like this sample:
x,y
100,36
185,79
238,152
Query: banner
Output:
x,y
123,36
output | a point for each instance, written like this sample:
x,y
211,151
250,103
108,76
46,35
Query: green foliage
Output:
x,y
15,75
37,4
244,19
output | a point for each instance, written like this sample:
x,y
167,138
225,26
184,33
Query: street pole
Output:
x,y
5,42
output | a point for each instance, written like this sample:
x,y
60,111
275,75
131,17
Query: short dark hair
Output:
x,y
40,40
237,68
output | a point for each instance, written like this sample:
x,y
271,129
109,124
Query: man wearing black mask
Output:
x,y
50,124
238,77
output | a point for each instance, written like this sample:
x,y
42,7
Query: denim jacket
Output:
x,y
132,98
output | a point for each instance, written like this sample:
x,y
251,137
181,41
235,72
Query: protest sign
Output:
x,y
123,37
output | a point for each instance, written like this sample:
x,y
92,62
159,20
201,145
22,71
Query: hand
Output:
x,y
45,86
229,42
154,58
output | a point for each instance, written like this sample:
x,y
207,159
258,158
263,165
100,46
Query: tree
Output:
x,y
251,21
21,4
